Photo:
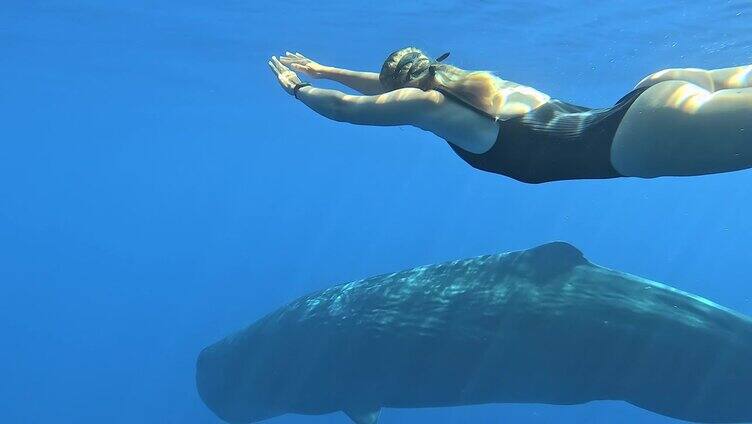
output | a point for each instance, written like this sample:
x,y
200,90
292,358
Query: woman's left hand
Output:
x,y
287,78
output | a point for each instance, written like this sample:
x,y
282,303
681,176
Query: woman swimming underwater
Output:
x,y
676,122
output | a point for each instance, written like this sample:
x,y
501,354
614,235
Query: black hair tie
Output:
x,y
297,88
442,57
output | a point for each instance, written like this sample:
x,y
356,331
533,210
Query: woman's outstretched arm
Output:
x,y
399,107
407,106
427,110
363,82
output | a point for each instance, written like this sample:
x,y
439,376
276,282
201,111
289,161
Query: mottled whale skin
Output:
x,y
542,325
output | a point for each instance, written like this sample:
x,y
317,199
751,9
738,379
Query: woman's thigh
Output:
x,y
696,76
679,128
711,80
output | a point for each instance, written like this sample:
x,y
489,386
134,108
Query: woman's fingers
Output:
x,y
287,75
289,60
274,62
273,68
280,67
286,78
296,56
279,64
291,57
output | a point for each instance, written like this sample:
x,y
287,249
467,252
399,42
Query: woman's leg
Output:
x,y
698,77
680,128
711,80
737,77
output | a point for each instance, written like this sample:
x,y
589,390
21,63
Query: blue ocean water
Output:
x,y
158,190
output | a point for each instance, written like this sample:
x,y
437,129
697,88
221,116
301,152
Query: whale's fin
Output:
x,y
551,259
364,416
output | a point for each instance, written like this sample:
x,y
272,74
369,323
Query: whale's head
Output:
x,y
233,382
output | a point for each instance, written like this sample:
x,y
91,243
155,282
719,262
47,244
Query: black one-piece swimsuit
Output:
x,y
556,141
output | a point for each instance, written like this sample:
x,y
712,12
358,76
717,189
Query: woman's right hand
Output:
x,y
300,63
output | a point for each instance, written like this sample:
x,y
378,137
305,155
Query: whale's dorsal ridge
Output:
x,y
560,251
551,259
364,416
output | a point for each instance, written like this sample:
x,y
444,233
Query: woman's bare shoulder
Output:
x,y
515,99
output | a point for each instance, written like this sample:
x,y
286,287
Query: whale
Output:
x,y
542,325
